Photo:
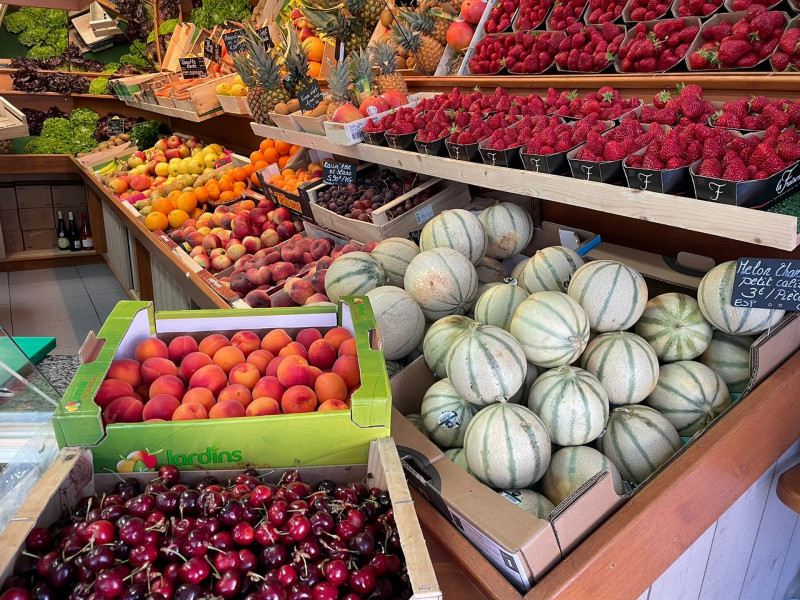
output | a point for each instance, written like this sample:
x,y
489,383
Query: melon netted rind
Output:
x,y
550,269
571,467
729,357
439,339
353,274
531,502
446,415
509,229
674,326
442,281
395,254
399,318
624,363
497,305
458,229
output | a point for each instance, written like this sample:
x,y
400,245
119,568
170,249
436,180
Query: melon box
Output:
x,y
331,438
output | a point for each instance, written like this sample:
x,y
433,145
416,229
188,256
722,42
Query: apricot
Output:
x,y
156,367
322,354
151,348
272,368
260,359
299,399
193,362
123,410
167,384
346,367
160,406
181,347
212,343
244,374
110,390
275,340
332,404
190,412
228,357
315,372
200,396
210,377
294,370
330,386
308,337
246,341
337,335
261,407
227,409
236,392
348,348
268,387
125,369
294,348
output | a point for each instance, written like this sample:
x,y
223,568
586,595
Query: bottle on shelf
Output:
x,y
63,240
72,235
87,241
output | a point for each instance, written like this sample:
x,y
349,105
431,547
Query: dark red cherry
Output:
x,y
169,474
38,540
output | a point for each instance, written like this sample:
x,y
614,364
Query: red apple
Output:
x,y
372,105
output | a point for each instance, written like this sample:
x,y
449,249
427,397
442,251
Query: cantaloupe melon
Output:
x,y
416,420
674,326
573,466
458,457
393,368
521,397
439,339
612,294
509,229
729,357
442,281
638,440
486,364
552,328
490,271
551,269
395,254
572,404
400,320
445,414
532,503
352,274
497,305
507,446
517,271
714,296
689,395
624,363
458,229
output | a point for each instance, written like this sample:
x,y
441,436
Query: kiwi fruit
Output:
x,y
294,105
401,63
387,18
281,108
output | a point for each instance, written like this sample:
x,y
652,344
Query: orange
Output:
x,y
227,196
197,212
282,147
275,178
173,195
283,160
177,218
213,191
256,156
314,166
314,69
156,220
186,202
271,155
293,150
225,184
262,164
315,48
287,173
201,193
239,174
254,180
249,169
163,205
266,145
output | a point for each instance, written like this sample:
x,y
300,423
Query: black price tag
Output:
x,y
310,96
338,173
116,126
263,34
193,67
235,41
212,51
767,283
415,235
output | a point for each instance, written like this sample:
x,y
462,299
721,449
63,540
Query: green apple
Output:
x,y
196,166
162,169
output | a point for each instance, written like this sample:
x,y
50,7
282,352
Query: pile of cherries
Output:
x,y
247,539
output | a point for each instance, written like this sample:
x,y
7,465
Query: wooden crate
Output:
x,y
94,159
178,47
13,123
71,477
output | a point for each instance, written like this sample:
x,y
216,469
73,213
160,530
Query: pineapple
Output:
x,y
296,59
339,82
361,72
368,10
384,57
268,89
424,49
440,24
339,24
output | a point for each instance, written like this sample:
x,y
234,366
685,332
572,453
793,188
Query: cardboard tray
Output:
x,y
665,181
793,24
314,125
603,171
340,437
13,122
556,163
348,134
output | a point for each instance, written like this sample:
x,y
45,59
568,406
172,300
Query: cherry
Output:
x,y
300,591
229,584
133,531
266,534
356,519
155,488
393,542
321,521
273,590
250,513
187,503
309,573
16,593
363,543
243,533
150,537
231,513
362,581
112,512
205,482
291,476
278,512
155,519
99,558
172,572
383,499
260,495
127,492
226,561
361,490
111,499
120,549
379,563
194,570
222,540
297,490
82,572
239,490
179,488
247,560
345,530
335,571
93,515
299,506
167,502
142,555
38,540
274,556
287,575
110,583
327,486
136,591
81,591
394,564
311,548
71,545
337,550
60,572
209,503
141,505
169,474
325,590
209,524
343,494
196,543
182,527
252,482
43,591
368,510
188,591
383,589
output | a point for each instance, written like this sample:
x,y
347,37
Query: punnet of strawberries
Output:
x,y
605,103
500,16
688,106
477,131
647,10
658,47
697,8
679,147
520,52
589,48
787,56
746,158
739,5
628,137
532,13
605,11
758,113
551,135
439,124
565,13
741,44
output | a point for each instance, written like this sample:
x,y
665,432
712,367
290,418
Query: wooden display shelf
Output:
x,y
168,111
51,254
45,259
731,222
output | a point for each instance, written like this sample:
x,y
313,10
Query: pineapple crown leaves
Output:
x,y
383,56
420,22
339,79
295,55
404,37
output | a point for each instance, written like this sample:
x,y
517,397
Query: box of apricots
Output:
x,y
229,389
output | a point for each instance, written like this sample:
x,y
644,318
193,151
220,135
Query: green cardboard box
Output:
x,y
330,438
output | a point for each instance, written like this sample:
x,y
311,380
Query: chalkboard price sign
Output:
x,y
235,41
116,126
767,283
310,96
263,34
212,51
193,67
338,173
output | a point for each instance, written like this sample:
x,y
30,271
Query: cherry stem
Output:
x,y
175,552
213,568
30,554
210,547
114,473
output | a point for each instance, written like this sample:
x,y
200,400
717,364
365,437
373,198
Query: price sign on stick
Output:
x,y
116,126
235,41
310,96
338,173
263,34
212,51
767,283
193,67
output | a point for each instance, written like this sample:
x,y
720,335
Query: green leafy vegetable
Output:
x,y
66,136
215,12
99,86
44,30
111,67
135,57
146,133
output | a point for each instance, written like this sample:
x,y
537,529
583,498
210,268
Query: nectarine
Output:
x,y
330,386
346,367
181,347
125,369
123,410
110,390
193,362
155,367
228,357
299,399
236,392
150,348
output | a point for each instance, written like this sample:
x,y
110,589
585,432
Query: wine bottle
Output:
x,y
63,242
87,241
72,234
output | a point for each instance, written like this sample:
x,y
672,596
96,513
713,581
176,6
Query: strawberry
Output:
x,y
731,50
698,8
710,167
736,171
775,115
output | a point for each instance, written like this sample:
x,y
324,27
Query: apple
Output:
x,y
184,151
221,261
197,250
161,169
394,99
134,161
202,260
174,141
193,142
195,240
224,235
372,105
472,11
161,145
118,185
172,154
241,230
140,182
286,230
268,204
346,113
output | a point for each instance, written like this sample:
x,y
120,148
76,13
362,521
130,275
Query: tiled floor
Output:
x,y
65,303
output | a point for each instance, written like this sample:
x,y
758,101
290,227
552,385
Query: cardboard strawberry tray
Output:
x,y
629,36
760,193
432,148
603,171
664,181
556,163
609,66
465,152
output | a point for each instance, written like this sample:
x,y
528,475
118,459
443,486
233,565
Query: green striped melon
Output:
x,y
552,328
531,375
490,271
446,415
624,363
352,274
400,320
458,457
507,446
571,403
416,420
689,395
395,254
439,339
532,503
573,466
458,229
516,273
638,440
509,229
551,269
612,294
393,368
497,305
729,357
714,297
486,364
442,281
674,326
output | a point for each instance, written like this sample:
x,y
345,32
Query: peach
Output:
x,y
317,299
228,357
299,399
167,384
348,348
236,392
210,377
155,367
309,336
317,280
193,362
212,343
346,367
322,354
125,369
268,387
280,299
227,409
110,390
123,410
244,374
332,404
200,396
294,370
260,359
275,340
295,348
315,372
369,247
150,348
246,341
337,335
181,347
299,290
160,406
330,386
190,412
262,407
258,299
272,368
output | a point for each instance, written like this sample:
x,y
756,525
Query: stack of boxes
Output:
x,y
9,220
